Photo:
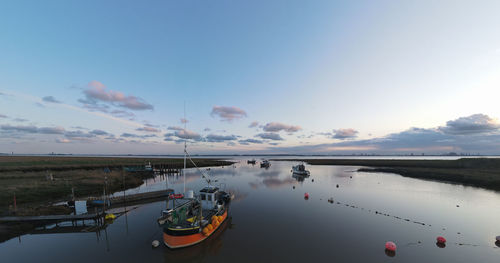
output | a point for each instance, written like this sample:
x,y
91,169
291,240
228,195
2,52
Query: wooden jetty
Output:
x,y
116,200
59,218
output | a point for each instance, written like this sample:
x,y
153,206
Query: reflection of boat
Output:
x,y
265,164
299,178
251,161
300,170
193,221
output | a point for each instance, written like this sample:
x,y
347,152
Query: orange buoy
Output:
x,y
391,246
220,218
306,196
441,239
210,227
205,231
213,217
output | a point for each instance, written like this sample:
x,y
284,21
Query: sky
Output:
x,y
250,77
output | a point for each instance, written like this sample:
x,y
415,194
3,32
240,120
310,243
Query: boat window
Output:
x,y
209,197
203,197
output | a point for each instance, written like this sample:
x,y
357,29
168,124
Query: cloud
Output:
x,y
148,129
186,134
249,141
253,124
343,134
220,138
175,128
228,113
270,136
3,116
131,135
50,99
473,124
51,130
184,120
20,120
122,114
276,127
206,129
96,91
33,129
99,132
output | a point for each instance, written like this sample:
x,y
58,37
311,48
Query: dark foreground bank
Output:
x,y
479,172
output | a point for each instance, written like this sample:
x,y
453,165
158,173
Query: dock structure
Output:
x,y
117,200
52,218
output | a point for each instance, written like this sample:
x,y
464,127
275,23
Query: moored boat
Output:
x,y
300,169
265,164
195,219
251,161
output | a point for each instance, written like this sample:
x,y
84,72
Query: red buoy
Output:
x,y
306,196
391,246
441,239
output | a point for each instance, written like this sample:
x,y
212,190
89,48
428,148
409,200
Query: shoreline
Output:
x,y
478,172
38,181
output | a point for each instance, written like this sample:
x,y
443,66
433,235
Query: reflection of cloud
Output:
x,y
266,173
277,183
228,113
343,134
276,127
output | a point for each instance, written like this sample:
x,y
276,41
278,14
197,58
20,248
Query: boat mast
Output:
x,y
185,150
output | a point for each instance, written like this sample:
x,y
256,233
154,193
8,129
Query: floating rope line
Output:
x,y
377,212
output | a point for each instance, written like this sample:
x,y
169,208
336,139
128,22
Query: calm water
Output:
x,y
271,221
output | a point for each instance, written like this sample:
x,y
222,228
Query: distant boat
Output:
x,y
300,170
265,164
251,161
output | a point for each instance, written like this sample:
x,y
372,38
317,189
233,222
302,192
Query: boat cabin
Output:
x,y
208,197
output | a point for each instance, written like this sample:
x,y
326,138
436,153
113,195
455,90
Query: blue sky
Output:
x,y
314,77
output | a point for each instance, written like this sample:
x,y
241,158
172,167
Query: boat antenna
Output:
x,y
185,148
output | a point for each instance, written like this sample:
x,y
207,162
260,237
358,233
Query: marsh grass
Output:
x,y
38,180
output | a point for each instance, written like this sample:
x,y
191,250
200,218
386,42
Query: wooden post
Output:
x,y
15,202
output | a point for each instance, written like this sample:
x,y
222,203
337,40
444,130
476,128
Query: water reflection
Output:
x,y
270,221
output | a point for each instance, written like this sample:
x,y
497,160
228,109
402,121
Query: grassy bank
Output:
x,y
41,179
480,172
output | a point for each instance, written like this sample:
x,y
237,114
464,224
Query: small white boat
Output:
x,y
300,170
265,164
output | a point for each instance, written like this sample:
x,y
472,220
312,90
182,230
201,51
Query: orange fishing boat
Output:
x,y
196,219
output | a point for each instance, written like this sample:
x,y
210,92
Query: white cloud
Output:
x,y
276,127
473,124
343,134
270,136
228,113
96,91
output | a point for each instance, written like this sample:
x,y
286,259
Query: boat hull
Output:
x,y
174,241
